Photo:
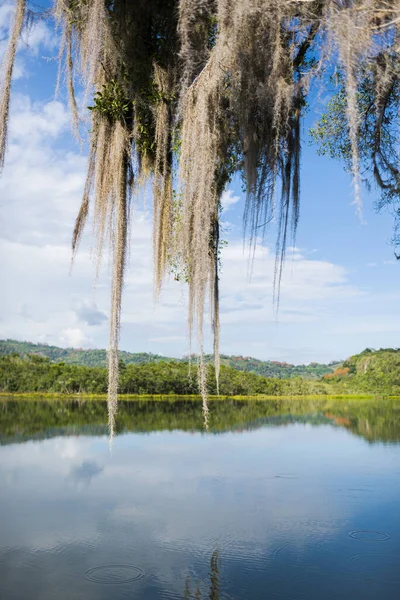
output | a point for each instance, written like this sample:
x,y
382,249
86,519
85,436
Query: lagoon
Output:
x,y
283,498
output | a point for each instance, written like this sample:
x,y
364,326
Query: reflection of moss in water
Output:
x,y
214,583
375,420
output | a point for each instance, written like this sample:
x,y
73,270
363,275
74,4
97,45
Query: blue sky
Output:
x,y
340,289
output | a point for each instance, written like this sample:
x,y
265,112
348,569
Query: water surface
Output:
x,y
280,499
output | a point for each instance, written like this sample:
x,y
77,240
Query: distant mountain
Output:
x,y
279,369
98,358
77,356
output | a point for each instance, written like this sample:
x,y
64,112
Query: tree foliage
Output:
x,y
366,373
37,374
188,92
98,358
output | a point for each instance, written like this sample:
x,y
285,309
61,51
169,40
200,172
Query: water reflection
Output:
x,y
281,499
214,574
86,471
373,420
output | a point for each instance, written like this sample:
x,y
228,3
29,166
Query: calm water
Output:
x,y
290,500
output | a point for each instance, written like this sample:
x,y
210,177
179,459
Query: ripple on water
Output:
x,y
370,536
114,574
276,552
291,558
378,567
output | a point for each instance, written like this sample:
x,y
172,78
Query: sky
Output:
x,y
340,287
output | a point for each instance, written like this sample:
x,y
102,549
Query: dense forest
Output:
x,y
98,358
371,372
34,373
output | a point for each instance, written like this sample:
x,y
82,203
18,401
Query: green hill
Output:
x,y
369,370
278,369
383,361
33,373
98,358
76,356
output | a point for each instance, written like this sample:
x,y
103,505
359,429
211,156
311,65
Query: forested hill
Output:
x,y
377,364
97,358
384,360
370,370
77,356
369,373
278,369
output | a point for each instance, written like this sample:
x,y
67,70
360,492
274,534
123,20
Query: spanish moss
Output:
x,y
7,72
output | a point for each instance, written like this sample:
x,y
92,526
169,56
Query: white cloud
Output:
x,y
87,312
165,487
41,183
6,10
228,199
37,123
40,193
39,38
74,337
168,338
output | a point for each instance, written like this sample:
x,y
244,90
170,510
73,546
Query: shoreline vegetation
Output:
x,y
98,358
4,396
368,374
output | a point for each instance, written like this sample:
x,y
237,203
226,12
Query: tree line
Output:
x,y
34,373
367,373
98,358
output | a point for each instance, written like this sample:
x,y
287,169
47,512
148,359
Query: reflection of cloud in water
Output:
x,y
86,471
270,500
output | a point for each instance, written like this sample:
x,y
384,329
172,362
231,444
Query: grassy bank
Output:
x,y
178,397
